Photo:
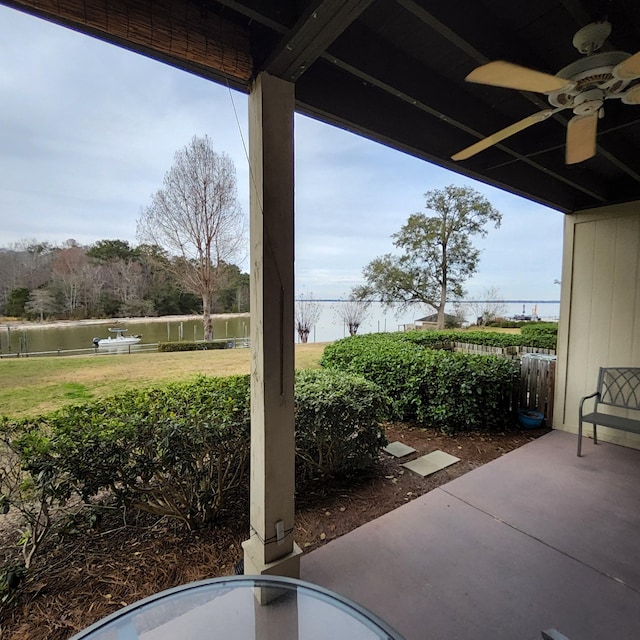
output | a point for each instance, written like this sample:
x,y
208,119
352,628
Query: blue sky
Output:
x,y
88,130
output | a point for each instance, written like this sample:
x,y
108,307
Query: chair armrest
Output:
x,y
595,394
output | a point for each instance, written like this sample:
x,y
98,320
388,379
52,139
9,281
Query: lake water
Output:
x,y
378,319
81,337
329,328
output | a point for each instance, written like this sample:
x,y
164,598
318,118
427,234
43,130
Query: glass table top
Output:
x,y
242,608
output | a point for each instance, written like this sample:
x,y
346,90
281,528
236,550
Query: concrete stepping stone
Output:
x,y
399,449
432,462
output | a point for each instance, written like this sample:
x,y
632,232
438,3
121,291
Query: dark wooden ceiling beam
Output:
x,y
461,43
398,81
257,16
601,149
316,29
396,124
173,31
443,30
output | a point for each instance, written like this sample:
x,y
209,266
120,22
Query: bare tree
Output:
x,y
24,264
352,312
41,302
458,315
489,306
72,272
307,316
196,216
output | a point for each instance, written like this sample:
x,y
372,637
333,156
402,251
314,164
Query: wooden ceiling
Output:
x,y
393,70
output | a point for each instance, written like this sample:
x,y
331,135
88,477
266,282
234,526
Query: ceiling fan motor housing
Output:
x,y
587,75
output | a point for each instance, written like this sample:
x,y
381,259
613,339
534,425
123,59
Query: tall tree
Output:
x,y
16,301
109,250
437,256
196,216
73,274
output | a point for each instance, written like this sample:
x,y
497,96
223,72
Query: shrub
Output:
x,y
391,363
176,451
192,346
463,392
337,422
541,331
436,339
31,484
451,391
182,450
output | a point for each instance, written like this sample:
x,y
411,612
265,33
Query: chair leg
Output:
x,y
595,434
580,439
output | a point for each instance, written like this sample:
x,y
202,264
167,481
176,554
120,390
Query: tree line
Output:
x,y
109,278
192,233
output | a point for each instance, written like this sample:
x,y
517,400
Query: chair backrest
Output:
x,y
620,387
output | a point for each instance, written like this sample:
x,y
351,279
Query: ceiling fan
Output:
x,y
582,86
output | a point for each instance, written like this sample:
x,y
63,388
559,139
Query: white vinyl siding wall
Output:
x,y
600,308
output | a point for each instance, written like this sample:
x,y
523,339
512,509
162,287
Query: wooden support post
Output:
x,y
270,549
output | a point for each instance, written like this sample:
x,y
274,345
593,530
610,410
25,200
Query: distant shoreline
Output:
x,y
25,326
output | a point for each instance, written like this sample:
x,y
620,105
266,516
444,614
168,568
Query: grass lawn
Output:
x,y
31,386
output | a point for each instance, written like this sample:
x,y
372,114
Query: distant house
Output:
x,y
431,322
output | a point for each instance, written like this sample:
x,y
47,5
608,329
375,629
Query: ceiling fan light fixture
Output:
x,y
588,102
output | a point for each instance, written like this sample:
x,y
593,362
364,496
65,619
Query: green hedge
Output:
x,y
543,339
461,392
541,331
391,363
192,346
337,423
451,391
179,451
183,450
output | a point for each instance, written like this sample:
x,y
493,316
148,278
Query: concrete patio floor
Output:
x,y
536,539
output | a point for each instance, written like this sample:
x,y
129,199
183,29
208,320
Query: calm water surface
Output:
x,y
80,337
329,328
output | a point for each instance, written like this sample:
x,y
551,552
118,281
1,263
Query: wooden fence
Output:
x,y
507,352
537,381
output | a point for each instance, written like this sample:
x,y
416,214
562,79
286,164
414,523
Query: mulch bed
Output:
x,y
84,573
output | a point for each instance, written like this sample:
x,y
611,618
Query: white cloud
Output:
x,y
88,131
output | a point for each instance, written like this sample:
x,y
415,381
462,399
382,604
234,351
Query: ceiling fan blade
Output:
x,y
632,96
628,69
512,76
502,134
581,138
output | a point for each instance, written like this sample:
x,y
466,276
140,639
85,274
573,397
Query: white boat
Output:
x,y
119,340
